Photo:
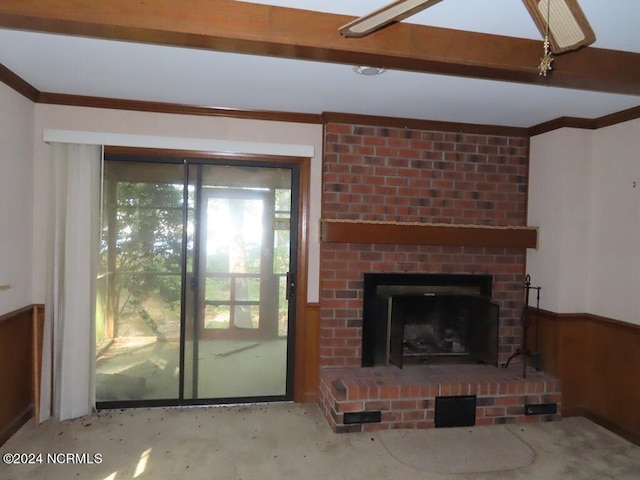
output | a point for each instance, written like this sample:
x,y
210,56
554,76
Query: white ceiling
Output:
x,y
112,69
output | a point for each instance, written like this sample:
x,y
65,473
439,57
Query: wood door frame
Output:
x,y
305,337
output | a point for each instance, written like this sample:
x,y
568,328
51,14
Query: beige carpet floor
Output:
x,y
293,441
459,450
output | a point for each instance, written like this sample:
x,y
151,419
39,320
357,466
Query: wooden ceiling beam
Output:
x,y
239,27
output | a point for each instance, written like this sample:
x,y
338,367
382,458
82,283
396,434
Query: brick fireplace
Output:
x,y
409,176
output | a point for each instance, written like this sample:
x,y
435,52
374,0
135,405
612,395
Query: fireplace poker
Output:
x,y
525,321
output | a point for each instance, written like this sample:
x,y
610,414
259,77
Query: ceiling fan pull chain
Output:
x,y
546,62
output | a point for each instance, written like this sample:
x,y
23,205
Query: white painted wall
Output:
x,y
55,117
560,165
16,192
614,254
581,196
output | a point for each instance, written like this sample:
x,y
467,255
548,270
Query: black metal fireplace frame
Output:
x,y
374,311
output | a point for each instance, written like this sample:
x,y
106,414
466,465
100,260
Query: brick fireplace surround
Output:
x,y
407,175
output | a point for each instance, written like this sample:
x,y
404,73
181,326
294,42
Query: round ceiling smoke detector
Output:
x,y
368,71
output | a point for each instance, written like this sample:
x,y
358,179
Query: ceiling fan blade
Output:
x,y
568,26
393,12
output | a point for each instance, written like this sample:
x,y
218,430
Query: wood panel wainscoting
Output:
x,y
598,361
307,348
20,350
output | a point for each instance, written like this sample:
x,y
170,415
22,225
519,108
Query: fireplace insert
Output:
x,y
428,318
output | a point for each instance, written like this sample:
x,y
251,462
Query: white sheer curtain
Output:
x,y
68,360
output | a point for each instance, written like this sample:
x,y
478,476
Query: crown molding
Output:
x,y
618,117
172,108
562,122
586,123
417,124
21,86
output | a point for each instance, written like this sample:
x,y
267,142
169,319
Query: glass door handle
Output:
x,y
291,285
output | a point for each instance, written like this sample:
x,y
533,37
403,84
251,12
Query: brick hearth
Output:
x,y
406,398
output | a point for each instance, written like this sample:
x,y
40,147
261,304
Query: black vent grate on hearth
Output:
x,y
368,416
455,411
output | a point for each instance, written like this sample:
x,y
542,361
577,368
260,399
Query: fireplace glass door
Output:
x,y
424,318
425,329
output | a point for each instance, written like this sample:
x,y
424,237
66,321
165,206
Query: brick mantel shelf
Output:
x,y
411,233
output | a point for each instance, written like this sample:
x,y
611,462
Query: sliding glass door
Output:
x,y
140,282
195,291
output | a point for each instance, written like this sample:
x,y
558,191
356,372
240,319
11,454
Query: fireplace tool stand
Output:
x,y
525,320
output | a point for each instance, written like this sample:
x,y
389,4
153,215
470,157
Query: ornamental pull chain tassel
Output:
x,y
546,62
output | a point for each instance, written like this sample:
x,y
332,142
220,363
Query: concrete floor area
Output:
x,y
142,368
277,441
